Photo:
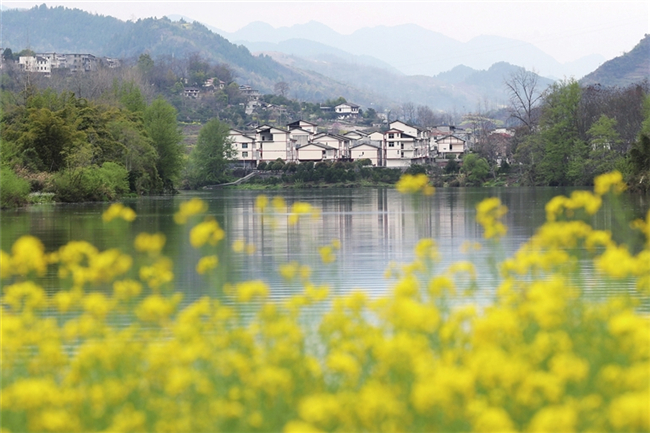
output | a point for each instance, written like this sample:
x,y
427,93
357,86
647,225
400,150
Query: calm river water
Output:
x,y
376,226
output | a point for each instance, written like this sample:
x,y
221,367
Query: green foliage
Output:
x,y
603,139
452,166
13,190
162,127
103,183
130,96
639,156
476,168
416,169
563,150
211,155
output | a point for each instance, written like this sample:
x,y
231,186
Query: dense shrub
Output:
x,y
13,190
105,183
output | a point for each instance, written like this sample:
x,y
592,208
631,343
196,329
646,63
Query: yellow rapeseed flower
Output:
x,y
149,243
608,182
28,254
118,210
414,184
206,264
208,231
189,208
488,213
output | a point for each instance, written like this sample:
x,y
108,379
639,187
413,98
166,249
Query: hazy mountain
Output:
x,y
317,51
630,68
417,51
66,30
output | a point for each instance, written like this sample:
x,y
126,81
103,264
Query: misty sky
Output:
x,y
566,30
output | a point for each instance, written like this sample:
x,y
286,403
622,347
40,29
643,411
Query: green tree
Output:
x,y
476,168
162,127
211,155
639,156
603,140
564,152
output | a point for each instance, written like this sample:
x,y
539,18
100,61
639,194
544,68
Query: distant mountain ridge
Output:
x,y
632,67
432,54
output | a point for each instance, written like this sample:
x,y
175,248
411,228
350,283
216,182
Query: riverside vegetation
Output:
x,y
113,348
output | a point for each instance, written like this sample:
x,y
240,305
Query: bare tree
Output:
x,y
525,96
426,117
281,88
408,112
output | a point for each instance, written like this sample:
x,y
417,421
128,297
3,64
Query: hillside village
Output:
x,y
393,144
398,147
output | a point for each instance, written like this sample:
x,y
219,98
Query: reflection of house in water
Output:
x,y
375,227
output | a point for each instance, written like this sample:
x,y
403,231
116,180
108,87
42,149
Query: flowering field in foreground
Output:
x,y
123,353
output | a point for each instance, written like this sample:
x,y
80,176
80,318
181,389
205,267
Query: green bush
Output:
x,y
104,183
13,190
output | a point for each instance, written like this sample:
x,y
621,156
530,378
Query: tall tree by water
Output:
x,y
209,158
564,152
162,127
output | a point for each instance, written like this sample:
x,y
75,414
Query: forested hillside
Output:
x,y
632,67
60,29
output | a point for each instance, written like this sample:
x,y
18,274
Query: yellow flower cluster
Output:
x,y
545,354
327,251
118,210
414,184
609,182
208,232
190,208
488,213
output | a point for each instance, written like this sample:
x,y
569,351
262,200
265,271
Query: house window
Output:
x,y
391,135
391,144
244,154
244,145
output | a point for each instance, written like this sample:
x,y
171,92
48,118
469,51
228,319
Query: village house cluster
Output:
x,y
47,63
400,146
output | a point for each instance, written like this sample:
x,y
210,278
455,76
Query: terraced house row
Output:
x,y
400,146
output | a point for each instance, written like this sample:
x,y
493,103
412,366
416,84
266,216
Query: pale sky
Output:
x,y
566,30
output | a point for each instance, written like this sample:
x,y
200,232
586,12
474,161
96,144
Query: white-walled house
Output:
x,y
347,109
451,144
339,142
244,146
273,143
316,152
303,124
365,149
405,144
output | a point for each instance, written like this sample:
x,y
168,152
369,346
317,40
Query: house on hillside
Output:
x,y
303,124
191,92
347,110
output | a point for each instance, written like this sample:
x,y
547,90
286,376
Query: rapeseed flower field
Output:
x,y
125,354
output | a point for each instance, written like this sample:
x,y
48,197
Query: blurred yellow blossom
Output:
x,y
206,264
189,208
412,184
609,181
208,231
118,210
488,214
149,243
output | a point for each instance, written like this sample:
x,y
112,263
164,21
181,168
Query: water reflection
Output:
x,y
376,226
